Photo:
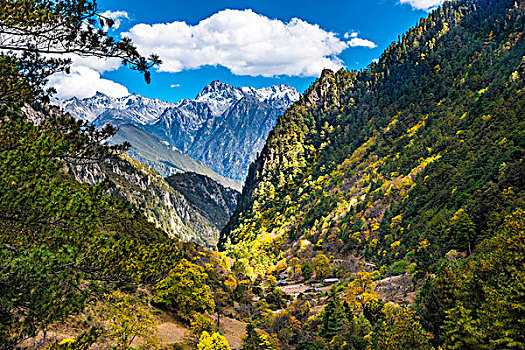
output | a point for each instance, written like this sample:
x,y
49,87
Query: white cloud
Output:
x,y
116,16
100,65
245,42
84,79
349,35
425,5
359,42
84,82
355,41
174,85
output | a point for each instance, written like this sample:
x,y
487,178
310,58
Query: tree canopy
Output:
x,y
37,35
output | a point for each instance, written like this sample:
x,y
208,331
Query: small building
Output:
x,y
283,276
313,290
329,281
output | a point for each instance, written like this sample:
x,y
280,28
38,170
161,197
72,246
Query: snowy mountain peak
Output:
x,y
139,109
220,96
224,126
216,98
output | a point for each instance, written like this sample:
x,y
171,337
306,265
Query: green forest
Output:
x,y
394,194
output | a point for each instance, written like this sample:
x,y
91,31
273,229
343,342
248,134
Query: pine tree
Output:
x,y
462,231
38,29
460,330
251,340
333,316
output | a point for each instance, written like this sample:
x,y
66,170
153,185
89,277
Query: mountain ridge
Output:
x,y
167,160
194,125
162,204
345,170
213,201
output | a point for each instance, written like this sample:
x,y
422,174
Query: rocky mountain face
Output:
x,y
149,192
212,200
224,126
166,159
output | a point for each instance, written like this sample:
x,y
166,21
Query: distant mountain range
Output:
x,y
224,126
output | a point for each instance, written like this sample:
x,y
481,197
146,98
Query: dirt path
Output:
x,y
173,332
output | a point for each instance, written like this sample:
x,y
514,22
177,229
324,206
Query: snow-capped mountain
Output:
x,y
135,108
220,96
224,126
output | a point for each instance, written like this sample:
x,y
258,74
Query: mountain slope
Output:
x,y
198,127
165,159
418,155
244,128
148,192
212,200
224,127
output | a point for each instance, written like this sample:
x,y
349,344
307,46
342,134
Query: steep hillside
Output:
x,y
82,269
242,131
212,200
164,158
418,155
148,192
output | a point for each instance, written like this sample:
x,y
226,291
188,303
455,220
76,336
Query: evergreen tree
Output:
x,y
333,316
35,29
402,332
462,231
373,310
307,271
251,340
460,330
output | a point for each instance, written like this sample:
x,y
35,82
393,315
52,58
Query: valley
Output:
x,y
381,209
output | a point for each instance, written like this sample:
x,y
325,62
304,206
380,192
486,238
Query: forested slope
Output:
x,y
418,155
76,259
79,267
208,197
148,192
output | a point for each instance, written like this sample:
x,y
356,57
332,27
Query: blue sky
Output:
x,y
242,42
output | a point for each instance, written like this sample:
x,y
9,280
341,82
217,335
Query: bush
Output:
x,y
399,267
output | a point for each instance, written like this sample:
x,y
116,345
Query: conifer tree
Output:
x,y
460,329
462,231
333,316
36,34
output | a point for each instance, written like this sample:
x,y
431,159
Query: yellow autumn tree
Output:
x,y
185,290
215,341
126,320
360,291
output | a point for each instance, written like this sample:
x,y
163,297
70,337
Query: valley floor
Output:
x,y
171,331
